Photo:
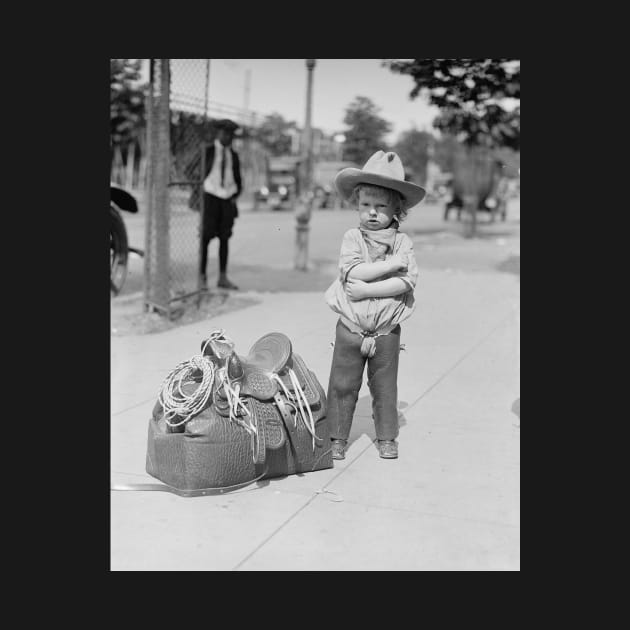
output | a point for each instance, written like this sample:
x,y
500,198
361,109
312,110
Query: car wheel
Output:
x,y
118,250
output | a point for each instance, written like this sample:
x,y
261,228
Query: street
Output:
x,y
262,247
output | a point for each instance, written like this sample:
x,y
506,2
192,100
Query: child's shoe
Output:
x,y
338,449
388,449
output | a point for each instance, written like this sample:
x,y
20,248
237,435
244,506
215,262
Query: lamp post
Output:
x,y
305,202
308,132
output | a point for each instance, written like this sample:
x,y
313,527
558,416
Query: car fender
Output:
x,y
122,199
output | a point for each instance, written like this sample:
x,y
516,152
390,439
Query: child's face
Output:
x,y
375,211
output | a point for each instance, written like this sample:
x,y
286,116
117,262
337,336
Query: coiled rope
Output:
x,y
174,400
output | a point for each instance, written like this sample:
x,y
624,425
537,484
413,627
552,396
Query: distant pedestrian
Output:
x,y
373,295
222,186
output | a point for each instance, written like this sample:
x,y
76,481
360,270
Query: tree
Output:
x,y
413,148
274,134
445,150
473,96
127,110
366,130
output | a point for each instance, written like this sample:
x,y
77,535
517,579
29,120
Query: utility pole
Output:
x,y
249,116
248,77
305,201
205,92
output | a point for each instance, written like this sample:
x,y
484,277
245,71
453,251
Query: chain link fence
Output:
x,y
180,122
188,132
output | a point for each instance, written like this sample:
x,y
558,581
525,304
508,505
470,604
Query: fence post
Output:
x,y
162,174
148,186
157,280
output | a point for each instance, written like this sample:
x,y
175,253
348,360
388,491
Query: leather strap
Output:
x,y
200,492
284,412
259,446
290,422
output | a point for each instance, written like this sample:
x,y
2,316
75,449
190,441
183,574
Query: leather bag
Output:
x,y
265,416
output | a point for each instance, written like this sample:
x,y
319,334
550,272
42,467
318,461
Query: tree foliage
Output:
x,y
366,130
413,148
274,134
445,150
473,96
127,109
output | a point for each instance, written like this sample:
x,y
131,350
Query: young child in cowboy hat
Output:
x,y
373,295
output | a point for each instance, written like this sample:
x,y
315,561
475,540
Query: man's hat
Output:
x,y
226,123
382,169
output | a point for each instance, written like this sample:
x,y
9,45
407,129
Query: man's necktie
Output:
x,y
222,166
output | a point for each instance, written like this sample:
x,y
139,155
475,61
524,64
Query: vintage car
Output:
x,y
281,184
273,195
119,200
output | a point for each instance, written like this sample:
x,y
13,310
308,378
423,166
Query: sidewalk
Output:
x,y
451,500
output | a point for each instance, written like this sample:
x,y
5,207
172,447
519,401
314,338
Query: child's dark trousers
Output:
x,y
346,377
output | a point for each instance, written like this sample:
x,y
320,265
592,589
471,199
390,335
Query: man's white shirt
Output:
x,y
212,183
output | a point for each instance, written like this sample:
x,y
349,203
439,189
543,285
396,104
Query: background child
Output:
x,y
373,295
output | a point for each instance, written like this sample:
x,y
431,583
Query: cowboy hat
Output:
x,y
382,169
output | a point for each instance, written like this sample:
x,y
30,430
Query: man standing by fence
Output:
x,y
221,187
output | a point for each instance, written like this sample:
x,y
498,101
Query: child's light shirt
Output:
x,y
374,314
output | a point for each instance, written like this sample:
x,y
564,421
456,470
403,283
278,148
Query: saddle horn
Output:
x,y
206,348
234,367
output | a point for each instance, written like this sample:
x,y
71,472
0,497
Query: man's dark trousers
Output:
x,y
218,220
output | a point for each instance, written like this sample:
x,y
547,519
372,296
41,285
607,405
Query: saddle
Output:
x,y
267,397
271,385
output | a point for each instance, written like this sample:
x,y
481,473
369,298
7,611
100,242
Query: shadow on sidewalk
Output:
x,y
363,422
512,264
